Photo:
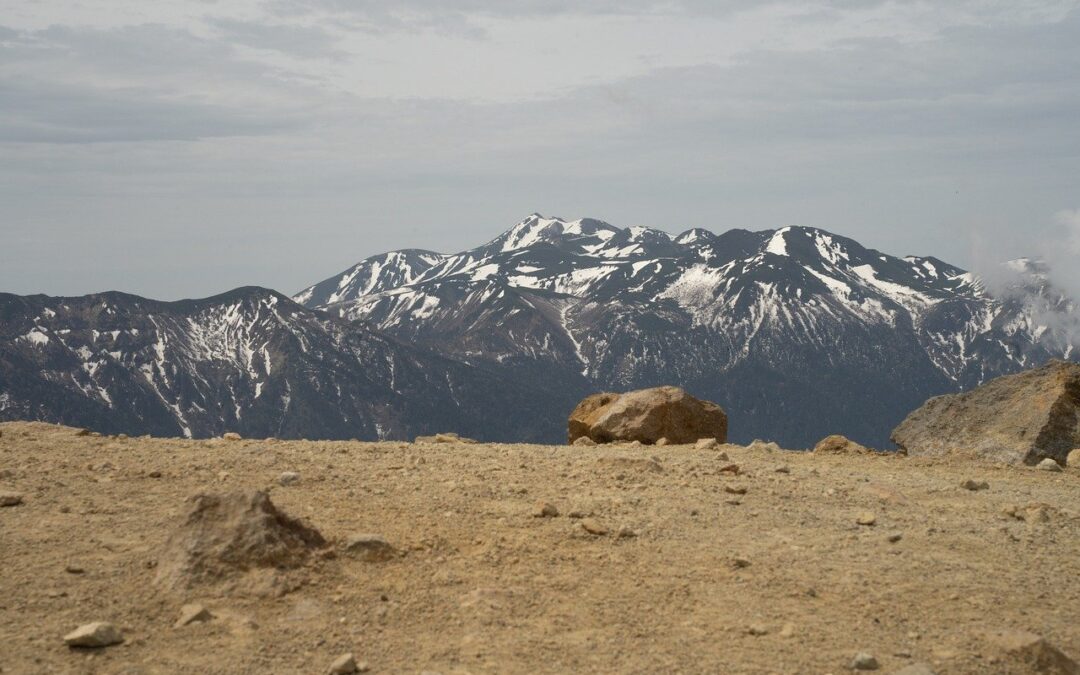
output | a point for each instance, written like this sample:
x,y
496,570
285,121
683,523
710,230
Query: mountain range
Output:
x,y
796,332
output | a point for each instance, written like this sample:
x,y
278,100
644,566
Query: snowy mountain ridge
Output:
x,y
852,338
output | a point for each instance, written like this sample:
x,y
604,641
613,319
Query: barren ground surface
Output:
x,y
482,586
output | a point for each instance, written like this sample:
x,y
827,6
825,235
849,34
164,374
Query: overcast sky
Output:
x,y
179,149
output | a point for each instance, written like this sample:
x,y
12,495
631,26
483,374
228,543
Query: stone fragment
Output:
x,y
974,485
646,416
866,518
288,478
193,613
757,629
93,635
707,444
369,548
864,661
593,527
10,499
1028,652
231,436
343,665
542,509
227,534
1048,465
584,442
625,532
839,445
662,441
1073,459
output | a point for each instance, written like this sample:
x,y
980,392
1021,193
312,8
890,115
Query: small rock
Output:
x,y
542,509
122,437
10,499
577,514
82,432
788,630
782,469
975,486
626,532
866,518
74,569
154,474
707,444
740,563
757,629
729,468
1031,650
662,441
231,436
1073,460
193,613
288,478
735,489
97,634
369,548
864,661
593,527
895,537
1048,465
584,441
343,665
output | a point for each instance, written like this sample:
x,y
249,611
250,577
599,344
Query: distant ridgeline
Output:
x,y
796,332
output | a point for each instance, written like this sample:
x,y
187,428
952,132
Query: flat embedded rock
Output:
x,y
93,635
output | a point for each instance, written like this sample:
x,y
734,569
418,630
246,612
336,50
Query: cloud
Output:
x,y
146,82
302,41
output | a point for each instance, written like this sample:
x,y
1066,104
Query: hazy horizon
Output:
x,y
178,150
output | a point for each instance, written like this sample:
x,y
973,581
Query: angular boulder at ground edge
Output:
x,y
647,415
1020,418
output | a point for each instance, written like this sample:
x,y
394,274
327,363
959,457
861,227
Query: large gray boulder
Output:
x,y
647,415
1020,418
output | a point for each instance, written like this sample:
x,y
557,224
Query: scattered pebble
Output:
x,y
663,441
584,441
735,489
542,509
707,444
1048,465
626,532
231,436
97,634
740,563
864,661
783,468
975,486
866,518
154,474
895,537
193,613
369,548
343,665
757,629
593,527
74,569
1073,459
10,499
288,478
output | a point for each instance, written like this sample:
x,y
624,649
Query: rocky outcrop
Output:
x,y
1017,418
222,535
647,415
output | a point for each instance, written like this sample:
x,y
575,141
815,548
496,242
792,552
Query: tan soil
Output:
x,y
486,587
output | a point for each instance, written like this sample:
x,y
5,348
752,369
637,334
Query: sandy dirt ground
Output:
x,y
764,571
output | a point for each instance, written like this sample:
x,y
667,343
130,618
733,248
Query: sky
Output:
x,y
183,148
